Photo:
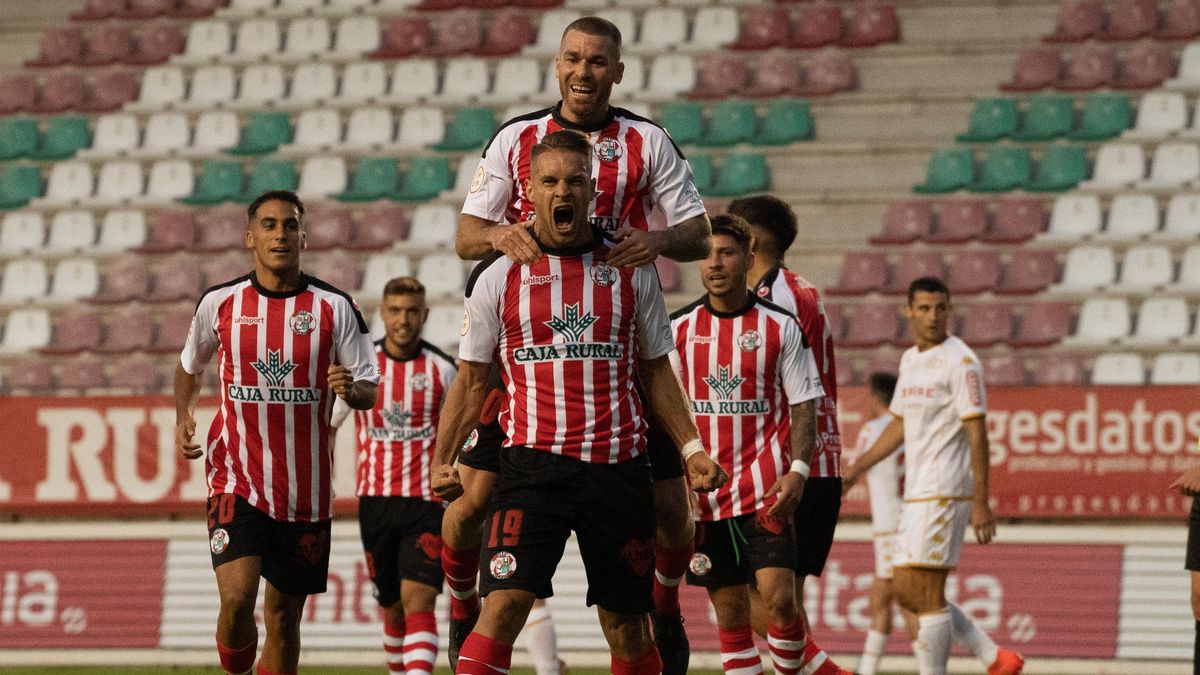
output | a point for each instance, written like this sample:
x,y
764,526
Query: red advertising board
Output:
x,y
76,594
1040,599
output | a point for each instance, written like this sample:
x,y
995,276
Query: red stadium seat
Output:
x,y
847,373
1077,21
197,9
1043,324
776,73
1091,66
509,31
126,280
1131,19
128,330
110,90
1036,68
18,93
338,268
82,375
985,324
817,26
30,375
862,272
1181,21
836,320
721,75
135,374
871,24
872,325
1061,369
172,331
913,265
170,231
99,10
959,221
149,9
669,274
455,33
1017,219
1146,66
1029,272
220,229
177,278
974,271
404,37
108,44
885,359
1004,370
440,5
61,46
763,27
382,225
327,227
905,221
225,267
75,332
156,43
61,91
828,72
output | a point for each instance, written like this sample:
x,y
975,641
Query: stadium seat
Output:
x,y
817,25
270,174
382,267
1005,370
170,231
1104,116
262,85
1130,20
74,279
1146,268
1175,368
219,181
1118,165
382,225
320,84
464,79
162,86
71,231
115,134
703,173
61,91
170,180
670,76
633,83
905,221
99,10
404,37
991,120
985,324
128,330
1181,21
742,173
729,123
959,221
61,46
109,44
455,33
1088,268
836,320
1160,113
443,326
1175,165
862,272
362,82
216,131
1188,74
433,225
684,120
111,90
172,330
1062,167
469,130
1131,217
517,78
1101,321
721,74
18,93
126,279
25,330
413,80
713,28
949,169
212,86
75,332
884,359
257,38
1028,273
122,230
218,270
1091,66
157,43
663,29
307,37
149,9
1048,116
316,128
135,374
443,274
19,183
1183,217
421,126
669,274
322,176
65,135
871,24
425,178
775,74
912,265
1017,219
374,178
1060,369
1036,68
177,278
1077,21
1004,169
1145,66
785,121
1161,321
509,31
207,40
1043,324
872,325
337,268
69,182
550,29
974,271
1121,368
828,72
263,134
763,27
21,232
369,128
222,228
18,137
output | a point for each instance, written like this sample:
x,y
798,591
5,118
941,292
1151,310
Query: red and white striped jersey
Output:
x,y
396,437
793,293
742,371
568,331
638,171
269,442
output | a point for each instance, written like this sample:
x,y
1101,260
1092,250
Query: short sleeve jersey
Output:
x,y
396,437
937,390
269,442
637,167
793,293
742,371
567,332
885,480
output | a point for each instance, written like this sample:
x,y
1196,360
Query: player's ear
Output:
x,y
620,71
303,240
526,184
250,236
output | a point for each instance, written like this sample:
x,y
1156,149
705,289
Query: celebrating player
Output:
x,y
886,483
640,176
284,342
570,332
752,381
398,515
938,412
773,225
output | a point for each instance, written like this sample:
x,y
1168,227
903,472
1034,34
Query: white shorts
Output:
x,y
885,545
931,532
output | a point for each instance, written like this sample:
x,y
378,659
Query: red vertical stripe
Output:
x,y
325,357
247,335
633,200
305,418
276,444
607,171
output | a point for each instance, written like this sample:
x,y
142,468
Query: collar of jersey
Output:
x,y
556,113
597,234
751,300
769,278
415,354
279,294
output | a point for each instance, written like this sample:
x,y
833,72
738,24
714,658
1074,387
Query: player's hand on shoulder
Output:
x,y
790,488
983,521
340,380
704,474
515,242
185,431
634,248
1188,484
446,482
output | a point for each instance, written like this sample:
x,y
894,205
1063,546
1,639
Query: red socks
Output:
x,y
646,664
237,661
670,564
483,656
393,646
738,653
787,647
420,643
460,567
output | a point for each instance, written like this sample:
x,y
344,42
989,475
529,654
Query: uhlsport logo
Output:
x,y
303,322
608,150
571,325
724,384
275,369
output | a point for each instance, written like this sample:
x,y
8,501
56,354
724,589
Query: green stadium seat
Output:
x,y
469,130
949,169
1104,116
18,137
1004,169
219,181
19,183
786,120
991,120
730,122
1062,168
263,134
65,136
684,120
374,178
270,174
702,171
742,173
425,179
1048,116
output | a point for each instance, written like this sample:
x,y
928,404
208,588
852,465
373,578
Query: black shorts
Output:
x,y
729,552
1192,561
402,539
482,449
295,556
541,497
816,519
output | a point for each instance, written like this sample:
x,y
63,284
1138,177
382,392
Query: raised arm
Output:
x,y
477,237
670,405
982,520
460,414
687,241
887,443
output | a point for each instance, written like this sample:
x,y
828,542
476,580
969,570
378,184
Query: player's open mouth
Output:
x,y
582,90
564,215
281,249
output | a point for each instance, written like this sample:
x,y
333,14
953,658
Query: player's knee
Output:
x,y
509,607
779,604
283,618
238,601
627,634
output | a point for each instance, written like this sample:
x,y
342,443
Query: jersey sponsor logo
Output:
x,y
238,392
275,369
603,275
219,541
571,325
725,383
477,181
756,406
302,322
397,418
749,341
605,223
700,564
540,279
571,351
419,382
250,320
608,150
503,565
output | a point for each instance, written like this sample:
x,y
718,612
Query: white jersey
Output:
x,y
885,480
938,389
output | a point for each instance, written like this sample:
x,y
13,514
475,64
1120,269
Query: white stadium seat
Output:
x,y
633,82
313,83
73,230
370,127
1175,368
114,133
317,128
413,80
663,28
119,181
1074,217
362,81
21,232
261,83
25,330
381,268
445,326
1146,268
465,78
1161,321
670,76
1189,270
23,280
714,27
122,230
421,126
434,224
1088,268
257,38
356,35
162,86
550,30
74,279
1183,217
207,39
1122,368
248,7
322,177
307,37
517,79
1160,113
1117,165
166,132
212,85
467,166
216,131
1131,217
170,179
1101,321
1174,165
443,274
1188,75
69,181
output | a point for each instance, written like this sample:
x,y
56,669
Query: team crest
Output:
x,y
749,341
219,541
700,564
471,442
603,275
608,150
503,565
419,382
302,322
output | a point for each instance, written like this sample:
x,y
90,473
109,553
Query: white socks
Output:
x,y
872,652
932,647
968,635
541,641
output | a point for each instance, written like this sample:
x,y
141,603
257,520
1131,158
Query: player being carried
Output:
x,y
641,177
938,415
571,333
286,343
753,384
399,517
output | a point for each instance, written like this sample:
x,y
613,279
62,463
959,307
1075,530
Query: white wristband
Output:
x,y
801,467
690,448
